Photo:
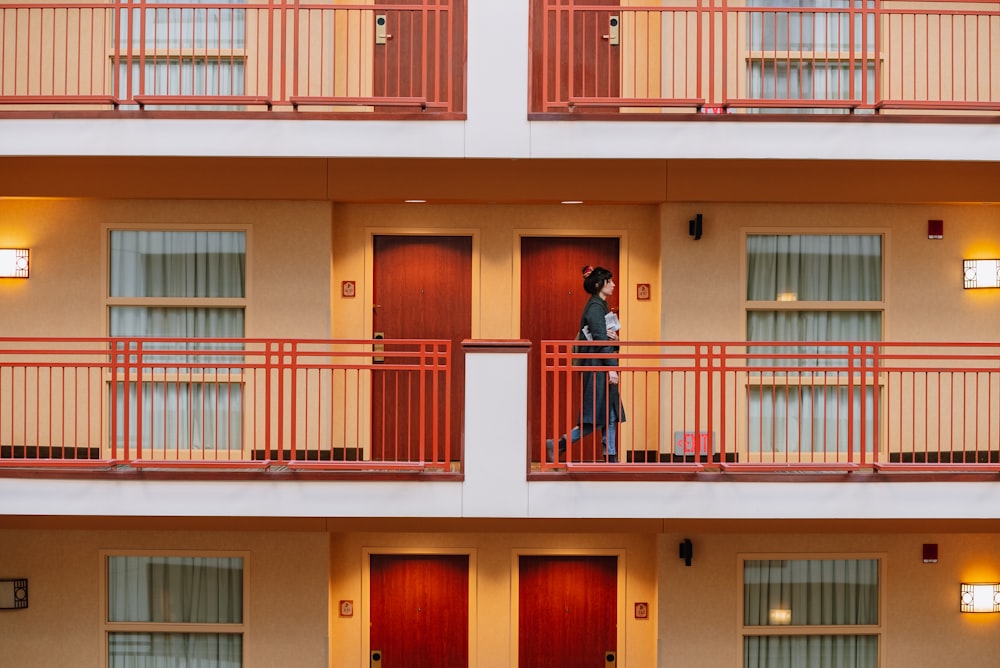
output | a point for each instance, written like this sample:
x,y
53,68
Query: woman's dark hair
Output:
x,y
594,278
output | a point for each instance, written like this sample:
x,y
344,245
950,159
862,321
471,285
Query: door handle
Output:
x,y
381,34
612,35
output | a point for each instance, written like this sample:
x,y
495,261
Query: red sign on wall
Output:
x,y
689,443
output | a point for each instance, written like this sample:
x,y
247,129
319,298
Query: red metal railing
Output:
x,y
232,403
267,55
839,406
856,56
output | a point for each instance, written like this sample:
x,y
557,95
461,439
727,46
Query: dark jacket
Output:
x,y
600,398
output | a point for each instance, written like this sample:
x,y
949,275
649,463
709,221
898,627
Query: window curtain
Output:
x,y
191,412
162,34
825,33
813,592
189,26
175,590
811,415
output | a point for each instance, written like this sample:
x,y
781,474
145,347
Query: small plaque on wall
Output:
x,y
347,288
642,292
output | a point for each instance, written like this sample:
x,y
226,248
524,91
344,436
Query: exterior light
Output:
x,y
13,594
980,597
779,616
981,273
13,262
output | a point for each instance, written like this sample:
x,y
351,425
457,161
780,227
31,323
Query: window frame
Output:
x,y
805,630
813,377
189,628
825,56
113,377
174,302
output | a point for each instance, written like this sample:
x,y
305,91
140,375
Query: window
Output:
x,y
188,50
174,611
812,54
182,285
803,290
811,612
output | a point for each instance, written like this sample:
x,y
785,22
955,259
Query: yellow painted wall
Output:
x,y
925,298
922,625
288,261
62,626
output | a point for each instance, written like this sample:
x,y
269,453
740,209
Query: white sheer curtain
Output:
x,y
812,414
827,34
175,590
188,411
810,592
164,33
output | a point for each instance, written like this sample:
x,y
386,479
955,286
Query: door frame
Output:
x,y
515,584
367,293
365,611
621,279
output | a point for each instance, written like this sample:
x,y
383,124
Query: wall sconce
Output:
x,y
686,551
981,273
13,262
13,594
694,226
980,597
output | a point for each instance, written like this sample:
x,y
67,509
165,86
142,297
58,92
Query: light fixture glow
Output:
x,y
981,273
980,597
13,263
572,201
779,616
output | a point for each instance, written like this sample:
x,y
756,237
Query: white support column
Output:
x,y
496,438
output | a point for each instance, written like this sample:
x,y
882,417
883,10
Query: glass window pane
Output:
x,y
851,651
814,267
177,322
183,264
793,419
175,650
182,416
171,590
814,326
806,592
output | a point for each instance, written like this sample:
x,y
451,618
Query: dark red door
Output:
x,y
422,289
567,611
414,59
552,298
572,54
420,610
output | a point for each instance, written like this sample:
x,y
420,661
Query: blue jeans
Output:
x,y
609,440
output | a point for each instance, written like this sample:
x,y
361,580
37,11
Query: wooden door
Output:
x,y
399,66
420,610
552,299
422,288
573,57
567,611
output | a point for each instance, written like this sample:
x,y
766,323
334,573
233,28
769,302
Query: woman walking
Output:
x,y
602,408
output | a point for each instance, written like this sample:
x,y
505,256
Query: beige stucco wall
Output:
x,y
288,261
924,297
922,625
62,624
